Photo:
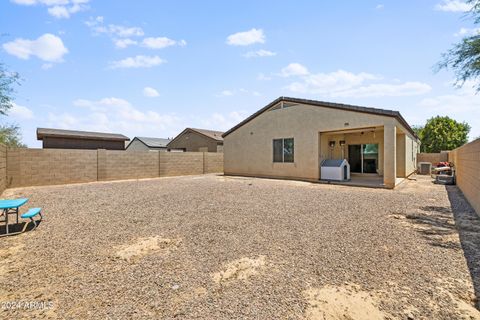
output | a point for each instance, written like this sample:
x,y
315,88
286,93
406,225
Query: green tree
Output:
x,y
7,81
419,131
9,133
10,136
464,57
443,133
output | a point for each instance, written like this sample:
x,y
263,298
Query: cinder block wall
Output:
x,y
433,158
467,160
3,168
213,163
181,163
34,167
129,165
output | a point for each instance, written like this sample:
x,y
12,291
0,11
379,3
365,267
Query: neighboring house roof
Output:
x,y
86,135
340,106
212,134
153,142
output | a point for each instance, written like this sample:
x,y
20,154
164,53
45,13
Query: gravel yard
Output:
x,y
215,247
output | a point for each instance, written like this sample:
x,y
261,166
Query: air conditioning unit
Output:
x,y
337,170
424,167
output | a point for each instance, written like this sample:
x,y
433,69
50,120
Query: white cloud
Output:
x,y
260,53
150,92
224,122
20,112
47,66
229,93
342,83
386,90
379,6
462,105
122,35
161,42
453,6
123,43
226,93
122,31
294,69
139,61
467,32
246,38
114,114
114,30
263,77
47,47
60,9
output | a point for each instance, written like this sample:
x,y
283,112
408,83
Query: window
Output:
x,y
283,150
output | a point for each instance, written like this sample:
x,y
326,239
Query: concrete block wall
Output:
x,y
34,167
467,161
3,168
213,163
433,158
181,163
130,165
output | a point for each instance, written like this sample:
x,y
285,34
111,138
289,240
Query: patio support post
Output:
x,y
389,155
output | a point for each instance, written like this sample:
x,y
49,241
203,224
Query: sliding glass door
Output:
x,y
363,158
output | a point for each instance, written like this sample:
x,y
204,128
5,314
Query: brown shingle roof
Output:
x,y
341,106
88,135
212,134
216,135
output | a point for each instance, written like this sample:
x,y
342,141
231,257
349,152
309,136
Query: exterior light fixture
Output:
x,y
331,144
342,143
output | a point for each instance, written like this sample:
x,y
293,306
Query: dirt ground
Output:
x,y
215,247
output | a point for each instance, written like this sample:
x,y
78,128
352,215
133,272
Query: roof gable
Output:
x,y
211,134
338,106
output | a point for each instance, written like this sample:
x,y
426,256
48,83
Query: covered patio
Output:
x,y
377,155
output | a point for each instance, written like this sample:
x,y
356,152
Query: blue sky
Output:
x,y
152,68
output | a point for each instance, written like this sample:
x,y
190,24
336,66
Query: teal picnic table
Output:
x,y
10,207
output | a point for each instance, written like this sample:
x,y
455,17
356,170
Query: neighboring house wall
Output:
x,y
248,150
194,142
466,160
137,145
35,167
76,143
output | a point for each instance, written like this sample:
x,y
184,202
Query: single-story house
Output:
x,y
146,144
291,137
74,139
197,140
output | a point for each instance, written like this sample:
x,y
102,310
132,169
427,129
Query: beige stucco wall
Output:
x,y
34,167
466,160
401,156
248,150
193,142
